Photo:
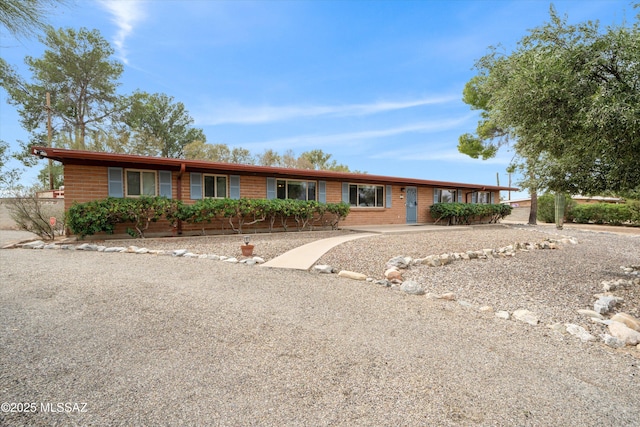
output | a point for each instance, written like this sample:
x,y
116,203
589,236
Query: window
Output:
x,y
484,197
215,185
366,195
446,195
140,183
297,190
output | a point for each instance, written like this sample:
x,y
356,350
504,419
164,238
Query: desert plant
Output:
x,y
34,214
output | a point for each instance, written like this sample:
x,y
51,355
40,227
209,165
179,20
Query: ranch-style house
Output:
x,y
374,199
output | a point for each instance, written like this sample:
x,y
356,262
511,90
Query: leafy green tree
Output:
x,y
8,177
57,176
490,137
161,127
269,158
319,160
81,78
570,94
26,17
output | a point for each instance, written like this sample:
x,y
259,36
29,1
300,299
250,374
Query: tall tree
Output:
x,y
26,17
269,158
489,137
570,94
78,72
161,127
8,177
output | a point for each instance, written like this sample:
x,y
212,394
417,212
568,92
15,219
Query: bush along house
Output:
x,y
370,199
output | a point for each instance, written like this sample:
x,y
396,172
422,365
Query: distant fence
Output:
x,y
6,223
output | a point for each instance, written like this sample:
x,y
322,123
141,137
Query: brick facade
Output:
x,y
86,178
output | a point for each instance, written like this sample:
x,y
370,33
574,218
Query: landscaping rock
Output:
x,y
179,252
114,249
591,313
258,260
394,275
624,333
605,304
449,296
526,316
399,262
37,244
231,260
383,282
612,341
580,332
323,268
413,288
628,320
501,314
352,275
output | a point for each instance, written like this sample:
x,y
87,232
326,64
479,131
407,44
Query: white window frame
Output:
x,y
306,188
378,203
454,192
141,189
215,186
486,194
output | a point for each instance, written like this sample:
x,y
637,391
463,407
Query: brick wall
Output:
x,y
86,183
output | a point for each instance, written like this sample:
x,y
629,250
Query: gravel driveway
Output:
x,y
152,340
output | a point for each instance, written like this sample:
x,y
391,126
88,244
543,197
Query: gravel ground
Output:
x,y
267,245
152,340
551,283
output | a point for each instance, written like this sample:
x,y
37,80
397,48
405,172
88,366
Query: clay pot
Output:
x,y
247,250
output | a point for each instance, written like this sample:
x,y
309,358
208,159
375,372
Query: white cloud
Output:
x,y
235,114
125,14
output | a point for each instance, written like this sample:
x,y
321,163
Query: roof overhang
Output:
x,y
92,158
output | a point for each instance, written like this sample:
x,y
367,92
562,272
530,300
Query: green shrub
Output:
x,y
466,213
85,219
604,213
547,208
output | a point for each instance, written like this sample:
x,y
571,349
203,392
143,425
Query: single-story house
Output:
x,y
374,199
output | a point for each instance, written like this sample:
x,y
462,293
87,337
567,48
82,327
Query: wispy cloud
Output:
x,y
318,140
441,152
125,14
235,114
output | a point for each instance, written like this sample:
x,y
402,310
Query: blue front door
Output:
x,y
412,205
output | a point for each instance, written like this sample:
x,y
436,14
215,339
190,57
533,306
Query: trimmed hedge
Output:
x,y
466,213
85,219
607,213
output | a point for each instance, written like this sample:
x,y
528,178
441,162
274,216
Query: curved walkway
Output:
x,y
303,257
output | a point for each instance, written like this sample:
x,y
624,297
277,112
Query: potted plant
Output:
x,y
247,249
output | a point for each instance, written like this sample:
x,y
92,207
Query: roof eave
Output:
x,y
107,159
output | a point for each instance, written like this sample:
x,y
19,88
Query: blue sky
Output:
x,y
378,84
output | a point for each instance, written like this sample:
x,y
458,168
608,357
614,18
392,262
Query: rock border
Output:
x,y
624,329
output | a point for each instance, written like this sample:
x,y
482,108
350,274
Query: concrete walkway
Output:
x,y
303,257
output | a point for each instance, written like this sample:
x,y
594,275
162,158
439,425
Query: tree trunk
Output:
x,y
533,211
